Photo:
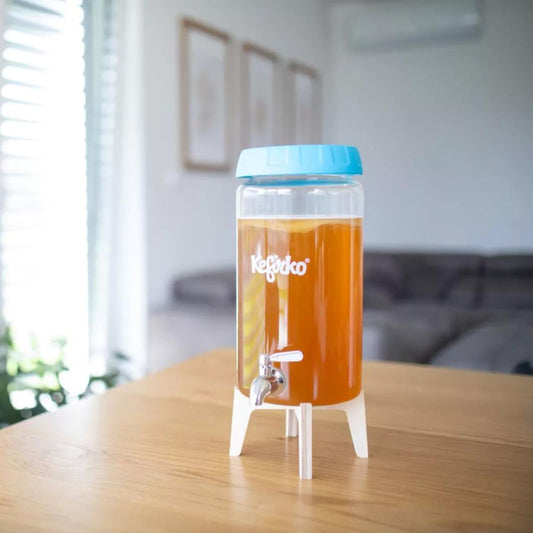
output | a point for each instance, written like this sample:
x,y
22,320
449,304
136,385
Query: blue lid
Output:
x,y
299,159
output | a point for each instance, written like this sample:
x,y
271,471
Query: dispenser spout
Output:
x,y
259,390
271,381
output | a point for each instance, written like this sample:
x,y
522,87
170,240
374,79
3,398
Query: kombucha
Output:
x,y
300,288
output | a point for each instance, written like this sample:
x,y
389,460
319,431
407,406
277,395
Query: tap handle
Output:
x,y
286,357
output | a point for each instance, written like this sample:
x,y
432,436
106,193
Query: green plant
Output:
x,y
35,380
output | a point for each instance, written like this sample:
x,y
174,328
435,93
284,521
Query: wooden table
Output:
x,y
449,451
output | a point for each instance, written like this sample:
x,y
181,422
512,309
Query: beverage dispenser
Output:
x,y
299,290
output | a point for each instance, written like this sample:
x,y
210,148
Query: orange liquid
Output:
x,y
311,302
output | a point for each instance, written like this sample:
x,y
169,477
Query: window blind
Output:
x,y
43,199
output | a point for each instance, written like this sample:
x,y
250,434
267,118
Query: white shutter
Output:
x,y
43,217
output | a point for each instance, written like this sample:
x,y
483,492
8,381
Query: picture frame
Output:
x,y
205,96
259,78
305,104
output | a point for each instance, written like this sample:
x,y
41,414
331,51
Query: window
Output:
x,y
43,184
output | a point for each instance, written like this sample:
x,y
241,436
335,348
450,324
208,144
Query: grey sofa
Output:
x,y
457,310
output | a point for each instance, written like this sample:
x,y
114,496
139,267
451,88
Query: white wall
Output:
x,y
190,215
128,326
445,132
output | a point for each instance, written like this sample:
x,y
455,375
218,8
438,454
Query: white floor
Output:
x,y
179,334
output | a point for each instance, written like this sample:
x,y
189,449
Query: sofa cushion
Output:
x,y
426,277
508,293
497,345
508,282
375,296
384,281
510,264
410,332
432,276
464,291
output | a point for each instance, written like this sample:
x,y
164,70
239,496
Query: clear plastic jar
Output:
x,y
299,273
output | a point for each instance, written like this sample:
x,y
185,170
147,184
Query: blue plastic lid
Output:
x,y
299,159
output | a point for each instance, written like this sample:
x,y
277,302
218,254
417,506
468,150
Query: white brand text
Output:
x,y
272,265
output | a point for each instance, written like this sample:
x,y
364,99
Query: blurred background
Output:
x,y
120,125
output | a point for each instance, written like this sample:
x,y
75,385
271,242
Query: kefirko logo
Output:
x,y
272,265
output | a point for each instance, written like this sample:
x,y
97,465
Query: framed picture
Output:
x,y
305,104
259,77
205,114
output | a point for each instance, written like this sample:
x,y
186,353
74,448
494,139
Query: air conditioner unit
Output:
x,y
391,23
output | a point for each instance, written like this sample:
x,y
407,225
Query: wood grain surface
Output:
x,y
449,451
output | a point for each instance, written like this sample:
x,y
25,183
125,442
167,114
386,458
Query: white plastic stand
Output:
x,y
299,422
